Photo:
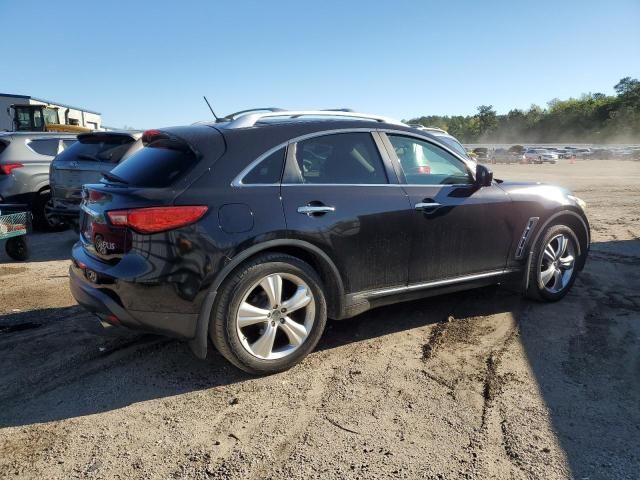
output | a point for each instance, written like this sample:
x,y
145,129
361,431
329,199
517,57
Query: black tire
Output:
x,y
41,219
16,248
222,328
534,289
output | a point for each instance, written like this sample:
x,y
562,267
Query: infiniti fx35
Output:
x,y
253,230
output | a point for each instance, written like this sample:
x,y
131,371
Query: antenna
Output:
x,y
209,105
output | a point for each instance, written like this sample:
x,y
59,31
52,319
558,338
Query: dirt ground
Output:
x,y
480,384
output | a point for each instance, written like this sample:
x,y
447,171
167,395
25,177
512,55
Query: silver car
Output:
x,y
24,170
539,155
94,154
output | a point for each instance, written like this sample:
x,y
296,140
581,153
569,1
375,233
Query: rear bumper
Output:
x,y
64,212
105,304
64,208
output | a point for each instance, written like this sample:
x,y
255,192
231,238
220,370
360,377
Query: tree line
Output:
x,y
592,118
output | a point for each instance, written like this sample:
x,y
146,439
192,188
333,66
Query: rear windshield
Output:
x,y
154,167
98,148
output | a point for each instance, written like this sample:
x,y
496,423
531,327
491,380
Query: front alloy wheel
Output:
x,y
554,265
557,264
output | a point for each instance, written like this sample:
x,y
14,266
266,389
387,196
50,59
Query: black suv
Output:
x,y
251,231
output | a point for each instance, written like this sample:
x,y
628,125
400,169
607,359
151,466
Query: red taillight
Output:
x,y
424,169
150,135
8,167
95,196
156,219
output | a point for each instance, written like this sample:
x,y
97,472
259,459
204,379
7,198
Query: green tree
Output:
x,y
591,118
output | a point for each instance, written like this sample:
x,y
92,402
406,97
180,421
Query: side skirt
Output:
x,y
360,302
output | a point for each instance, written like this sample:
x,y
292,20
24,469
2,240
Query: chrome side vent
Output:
x,y
525,236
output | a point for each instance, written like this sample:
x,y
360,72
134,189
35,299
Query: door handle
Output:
x,y
426,205
311,210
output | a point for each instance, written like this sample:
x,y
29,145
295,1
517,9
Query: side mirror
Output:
x,y
484,176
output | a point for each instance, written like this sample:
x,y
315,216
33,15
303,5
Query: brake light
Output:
x,y
151,135
95,196
425,169
7,168
156,219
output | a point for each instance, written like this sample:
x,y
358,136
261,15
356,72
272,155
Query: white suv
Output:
x,y
539,155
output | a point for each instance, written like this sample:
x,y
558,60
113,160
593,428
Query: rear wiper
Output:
x,y
85,156
114,178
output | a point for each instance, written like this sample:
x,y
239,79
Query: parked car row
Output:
x,y
25,158
84,162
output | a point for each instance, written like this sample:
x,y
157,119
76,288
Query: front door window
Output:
x,y
426,164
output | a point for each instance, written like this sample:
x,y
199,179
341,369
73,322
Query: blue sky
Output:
x,y
148,63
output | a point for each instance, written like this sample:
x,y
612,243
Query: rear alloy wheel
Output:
x,y
43,218
553,267
269,315
275,316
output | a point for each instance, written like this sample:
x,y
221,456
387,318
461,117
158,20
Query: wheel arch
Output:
x,y
578,223
314,256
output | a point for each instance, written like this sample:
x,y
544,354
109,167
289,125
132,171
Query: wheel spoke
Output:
x,y
250,315
567,262
299,300
546,275
272,286
562,246
264,345
557,279
295,331
550,253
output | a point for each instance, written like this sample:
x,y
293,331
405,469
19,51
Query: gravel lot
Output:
x,y
480,384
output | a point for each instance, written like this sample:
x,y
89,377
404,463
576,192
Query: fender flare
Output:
x,y
199,343
544,226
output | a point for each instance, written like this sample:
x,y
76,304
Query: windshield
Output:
x,y
153,167
51,116
98,148
454,144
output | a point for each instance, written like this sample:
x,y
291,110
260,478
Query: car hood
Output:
x,y
547,194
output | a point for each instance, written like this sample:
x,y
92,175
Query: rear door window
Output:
x,y
97,148
268,171
343,158
48,146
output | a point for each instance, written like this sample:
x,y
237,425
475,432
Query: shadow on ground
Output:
x,y
44,247
583,351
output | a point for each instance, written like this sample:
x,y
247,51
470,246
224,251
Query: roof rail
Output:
x,y
233,116
419,126
250,119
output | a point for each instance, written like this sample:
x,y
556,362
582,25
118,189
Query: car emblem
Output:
x,y
74,164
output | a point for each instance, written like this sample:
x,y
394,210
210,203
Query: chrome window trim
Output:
x,y
237,181
371,185
437,143
432,284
